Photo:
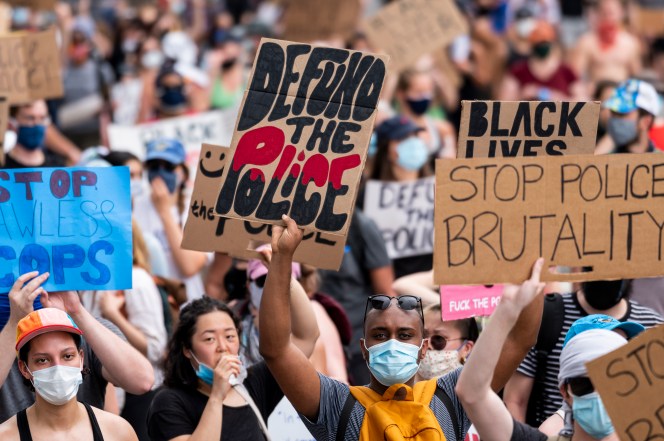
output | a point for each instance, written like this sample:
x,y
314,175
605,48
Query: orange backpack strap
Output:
x,y
425,390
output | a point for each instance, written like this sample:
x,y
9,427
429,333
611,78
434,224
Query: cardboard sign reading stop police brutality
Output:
x,y
527,128
403,212
30,67
495,217
206,232
630,381
34,4
302,136
398,29
74,223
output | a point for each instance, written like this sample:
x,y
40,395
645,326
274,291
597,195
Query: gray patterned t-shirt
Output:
x,y
333,395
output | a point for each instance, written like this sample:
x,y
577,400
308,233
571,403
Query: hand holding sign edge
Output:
x,y
285,240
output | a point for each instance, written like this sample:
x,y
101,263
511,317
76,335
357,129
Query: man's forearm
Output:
x,y
274,311
303,319
126,367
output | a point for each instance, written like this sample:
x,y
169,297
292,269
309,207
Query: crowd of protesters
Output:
x,y
204,346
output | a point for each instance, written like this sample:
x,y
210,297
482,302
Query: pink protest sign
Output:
x,y
464,301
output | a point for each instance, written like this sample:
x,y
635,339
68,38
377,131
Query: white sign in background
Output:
x,y
403,212
215,127
284,424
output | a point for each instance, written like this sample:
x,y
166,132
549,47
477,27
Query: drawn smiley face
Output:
x,y
212,168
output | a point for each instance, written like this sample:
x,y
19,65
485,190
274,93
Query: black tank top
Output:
x,y
24,427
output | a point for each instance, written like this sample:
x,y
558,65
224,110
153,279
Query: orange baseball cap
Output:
x,y
542,32
42,321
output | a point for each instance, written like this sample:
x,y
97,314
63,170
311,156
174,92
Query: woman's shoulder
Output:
x,y
9,429
114,427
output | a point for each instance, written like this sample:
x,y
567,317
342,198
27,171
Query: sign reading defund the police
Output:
x,y
495,217
630,381
74,223
403,212
302,135
527,128
206,232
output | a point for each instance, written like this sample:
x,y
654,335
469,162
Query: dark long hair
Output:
x,y
178,371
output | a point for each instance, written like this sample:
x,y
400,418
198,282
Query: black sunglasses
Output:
x,y
438,342
158,164
382,302
260,281
581,386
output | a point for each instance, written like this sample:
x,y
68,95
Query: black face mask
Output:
x,y
604,294
227,64
542,50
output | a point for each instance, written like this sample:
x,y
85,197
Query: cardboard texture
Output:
x,y
34,4
495,217
307,21
403,212
527,128
647,21
464,301
214,127
206,232
408,29
630,381
302,135
31,67
4,120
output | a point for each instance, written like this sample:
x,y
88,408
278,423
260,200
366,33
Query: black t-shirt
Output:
x,y
177,411
50,160
523,432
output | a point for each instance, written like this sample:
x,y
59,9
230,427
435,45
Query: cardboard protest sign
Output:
x,y
302,135
31,69
34,4
527,128
307,21
4,120
74,223
403,212
495,217
192,130
206,232
630,381
459,301
398,29
646,17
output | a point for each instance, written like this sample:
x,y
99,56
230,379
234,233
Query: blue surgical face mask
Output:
x,y
169,178
173,98
588,410
622,131
419,107
413,153
204,372
31,137
373,145
393,362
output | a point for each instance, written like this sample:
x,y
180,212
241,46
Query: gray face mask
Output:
x,y
622,131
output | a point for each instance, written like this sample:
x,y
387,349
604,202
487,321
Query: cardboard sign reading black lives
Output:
x,y
206,232
302,135
527,128
495,217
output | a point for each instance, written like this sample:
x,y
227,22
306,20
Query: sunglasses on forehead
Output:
x,y
405,302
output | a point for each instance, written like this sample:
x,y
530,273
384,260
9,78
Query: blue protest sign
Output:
x,y
74,223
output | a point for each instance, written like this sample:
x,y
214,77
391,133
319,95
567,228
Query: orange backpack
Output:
x,y
408,417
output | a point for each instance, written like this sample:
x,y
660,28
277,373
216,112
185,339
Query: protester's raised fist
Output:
x,y
286,240
23,294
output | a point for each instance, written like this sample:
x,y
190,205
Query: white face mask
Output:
x,y
58,384
438,363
